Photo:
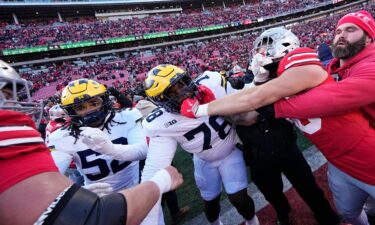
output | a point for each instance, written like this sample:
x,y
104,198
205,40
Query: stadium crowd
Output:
x,y
53,32
107,140
219,55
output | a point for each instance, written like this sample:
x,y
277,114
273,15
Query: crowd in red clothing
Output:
x,y
126,71
54,32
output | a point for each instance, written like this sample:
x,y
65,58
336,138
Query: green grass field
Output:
x,y
188,194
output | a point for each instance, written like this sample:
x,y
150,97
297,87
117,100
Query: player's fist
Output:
x,y
96,139
205,94
189,107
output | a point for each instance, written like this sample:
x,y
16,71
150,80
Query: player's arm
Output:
x,y
292,81
136,149
331,99
141,198
160,155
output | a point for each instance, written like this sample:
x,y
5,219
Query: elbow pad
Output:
x,y
81,207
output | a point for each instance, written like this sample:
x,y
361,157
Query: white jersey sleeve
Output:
x,y
136,149
216,83
62,159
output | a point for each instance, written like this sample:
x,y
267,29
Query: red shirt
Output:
x,y
22,150
354,91
346,140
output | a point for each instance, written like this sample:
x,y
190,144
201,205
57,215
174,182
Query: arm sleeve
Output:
x,y
62,160
160,155
136,149
330,99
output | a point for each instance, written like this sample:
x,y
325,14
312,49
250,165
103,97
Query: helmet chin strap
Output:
x,y
104,121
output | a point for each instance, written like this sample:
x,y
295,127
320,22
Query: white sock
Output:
x,y
253,221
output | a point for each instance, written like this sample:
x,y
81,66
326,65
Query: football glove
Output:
x,y
257,66
189,107
205,94
100,188
98,141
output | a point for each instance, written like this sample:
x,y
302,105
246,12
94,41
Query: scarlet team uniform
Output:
x,y
346,140
94,166
21,144
210,139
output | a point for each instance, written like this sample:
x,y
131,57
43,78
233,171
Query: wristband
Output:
x,y
202,111
163,180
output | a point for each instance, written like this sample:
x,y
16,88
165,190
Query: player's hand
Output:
x,y
176,177
167,179
189,107
205,94
96,140
257,66
100,188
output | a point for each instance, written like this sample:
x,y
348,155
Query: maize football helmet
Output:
x,y
276,42
167,86
80,91
15,93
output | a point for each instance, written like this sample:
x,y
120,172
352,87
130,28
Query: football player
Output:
x,y
211,140
30,181
346,140
96,129
57,119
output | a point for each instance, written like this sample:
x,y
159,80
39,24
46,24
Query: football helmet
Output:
x,y
56,112
168,85
15,93
80,91
276,42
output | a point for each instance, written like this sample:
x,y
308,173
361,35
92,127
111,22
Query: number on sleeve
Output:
x,y
154,115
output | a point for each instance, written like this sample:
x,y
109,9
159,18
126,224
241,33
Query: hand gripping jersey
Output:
x,y
22,150
346,140
208,138
94,166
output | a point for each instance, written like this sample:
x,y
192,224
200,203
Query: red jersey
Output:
x,y
22,150
354,90
340,138
51,127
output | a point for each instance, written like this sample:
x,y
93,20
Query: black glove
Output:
x,y
120,97
266,112
236,82
272,68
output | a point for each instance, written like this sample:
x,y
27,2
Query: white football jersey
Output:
x,y
95,167
208,138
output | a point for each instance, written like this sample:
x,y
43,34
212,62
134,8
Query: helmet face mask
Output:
x,y
15,94
57,113
80,92
275,43
168,91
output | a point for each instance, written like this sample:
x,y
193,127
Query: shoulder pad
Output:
x,y
214,81
159,121
298,57
129,115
